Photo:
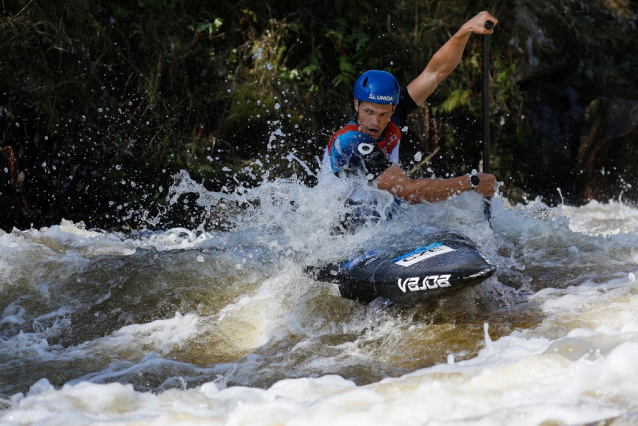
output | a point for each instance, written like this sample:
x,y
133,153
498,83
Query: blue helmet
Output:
x,y
379,87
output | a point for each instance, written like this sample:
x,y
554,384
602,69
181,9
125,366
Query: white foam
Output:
x,y
576,366
519,379
162,335
517,383
77,229
606,219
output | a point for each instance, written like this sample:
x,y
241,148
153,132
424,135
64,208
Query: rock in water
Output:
x,y
608,154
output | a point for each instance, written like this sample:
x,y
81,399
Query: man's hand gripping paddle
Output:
x,y
487,209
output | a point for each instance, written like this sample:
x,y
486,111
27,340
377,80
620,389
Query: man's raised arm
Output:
x,y
447,58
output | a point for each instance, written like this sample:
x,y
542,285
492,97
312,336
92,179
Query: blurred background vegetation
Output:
x,y
102,101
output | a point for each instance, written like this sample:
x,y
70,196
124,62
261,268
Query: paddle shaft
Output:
x,y
486,113
486,98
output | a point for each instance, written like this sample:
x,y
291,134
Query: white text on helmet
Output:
x,y
380,98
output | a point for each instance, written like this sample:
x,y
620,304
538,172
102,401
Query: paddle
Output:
x,y
487,209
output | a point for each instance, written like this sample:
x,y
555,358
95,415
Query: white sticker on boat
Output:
x,y
428,283
418,257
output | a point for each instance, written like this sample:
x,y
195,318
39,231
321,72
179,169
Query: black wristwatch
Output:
x,y
474,181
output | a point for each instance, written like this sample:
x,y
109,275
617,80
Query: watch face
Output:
x,y
474,180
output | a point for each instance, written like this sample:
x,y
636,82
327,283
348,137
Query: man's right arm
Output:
x,y
447,58
395,181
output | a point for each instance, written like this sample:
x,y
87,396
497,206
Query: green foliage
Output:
x,y
206,26
458,98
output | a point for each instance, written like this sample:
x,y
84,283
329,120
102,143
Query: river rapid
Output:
x,y
217,323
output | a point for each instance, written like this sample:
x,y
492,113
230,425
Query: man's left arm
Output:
x,y
447,58
395,181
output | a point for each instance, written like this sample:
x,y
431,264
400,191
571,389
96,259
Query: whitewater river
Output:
x,y
217,323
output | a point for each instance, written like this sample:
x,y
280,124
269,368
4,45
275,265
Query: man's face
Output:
x,y
373,118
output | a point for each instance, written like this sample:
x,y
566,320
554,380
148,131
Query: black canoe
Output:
x,y
446,264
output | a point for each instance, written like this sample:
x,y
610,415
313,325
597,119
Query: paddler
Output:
x,y
369,144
